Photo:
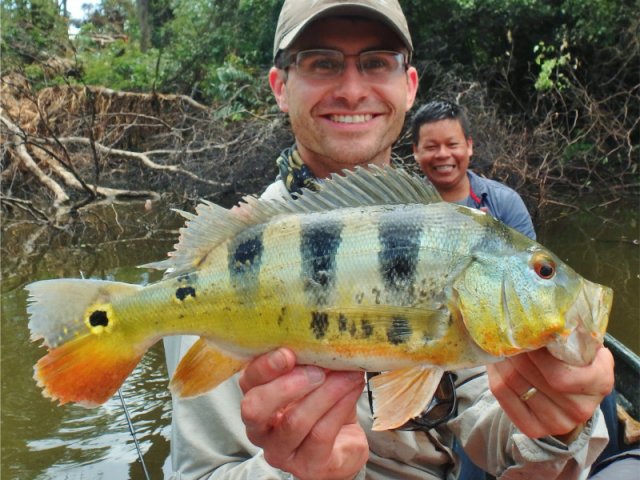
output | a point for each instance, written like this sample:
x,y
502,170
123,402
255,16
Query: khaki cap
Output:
x,y
297,14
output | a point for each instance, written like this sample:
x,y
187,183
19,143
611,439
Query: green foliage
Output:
x,y
121,66
500,40
31,31
204,33
551,64
237,87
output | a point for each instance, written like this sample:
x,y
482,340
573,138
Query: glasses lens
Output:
x,y
319,63
382,63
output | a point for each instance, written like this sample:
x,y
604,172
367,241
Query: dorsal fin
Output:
x,y
212,224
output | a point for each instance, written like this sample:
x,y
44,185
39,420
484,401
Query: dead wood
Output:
x,y
81,144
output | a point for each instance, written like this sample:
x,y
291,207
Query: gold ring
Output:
x,y
528,394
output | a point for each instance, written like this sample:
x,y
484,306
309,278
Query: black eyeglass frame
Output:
x,y
440,397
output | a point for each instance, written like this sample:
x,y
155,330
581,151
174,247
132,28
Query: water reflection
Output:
x,y
41,440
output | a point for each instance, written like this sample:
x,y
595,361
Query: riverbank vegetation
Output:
x,y
169,98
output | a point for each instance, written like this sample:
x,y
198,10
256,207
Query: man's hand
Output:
x,y
566,396
304,417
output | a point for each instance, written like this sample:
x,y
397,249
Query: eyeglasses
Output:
x,y
327,64
441,408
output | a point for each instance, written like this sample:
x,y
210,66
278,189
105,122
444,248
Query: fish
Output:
x,y
373,272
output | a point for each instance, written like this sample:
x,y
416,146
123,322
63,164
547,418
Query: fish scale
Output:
x,y
346,277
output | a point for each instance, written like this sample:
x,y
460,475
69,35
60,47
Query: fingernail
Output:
x,y
277,360
315,375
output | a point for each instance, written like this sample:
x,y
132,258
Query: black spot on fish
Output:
x,y
99,318
352,328
399,331
367,328
281,316
319,242
342,323
376,292
184,292
399,238
319,324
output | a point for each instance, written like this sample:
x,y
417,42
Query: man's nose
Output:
x,y
352,85
442,151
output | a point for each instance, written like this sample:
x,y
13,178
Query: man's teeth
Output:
x,y
444,168
351,118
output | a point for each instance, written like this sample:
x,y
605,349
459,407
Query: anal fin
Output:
x,y
202,368
400,395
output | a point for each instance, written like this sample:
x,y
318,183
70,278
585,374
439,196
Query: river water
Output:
x,y
41,440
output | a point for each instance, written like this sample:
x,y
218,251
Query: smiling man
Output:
x,y
443,146
342,73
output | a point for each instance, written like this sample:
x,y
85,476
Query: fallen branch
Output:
x,y
143,158
60,196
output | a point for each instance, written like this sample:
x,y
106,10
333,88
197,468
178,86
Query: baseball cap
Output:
x,y
296,15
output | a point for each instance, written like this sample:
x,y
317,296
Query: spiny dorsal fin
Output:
x,y
369,186
212,224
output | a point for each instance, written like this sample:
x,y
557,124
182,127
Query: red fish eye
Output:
x,y
544,268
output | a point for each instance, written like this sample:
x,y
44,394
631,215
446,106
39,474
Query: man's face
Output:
x,y
443,153
350,119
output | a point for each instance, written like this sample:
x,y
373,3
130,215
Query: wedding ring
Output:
x,y
528,394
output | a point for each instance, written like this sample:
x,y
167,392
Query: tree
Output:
x,y
142,8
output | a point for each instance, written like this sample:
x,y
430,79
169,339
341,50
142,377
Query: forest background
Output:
x,y
169,98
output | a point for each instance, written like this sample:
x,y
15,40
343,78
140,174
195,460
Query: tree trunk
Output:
x,y
145,25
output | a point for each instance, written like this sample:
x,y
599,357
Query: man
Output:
x,y
442,147
342,74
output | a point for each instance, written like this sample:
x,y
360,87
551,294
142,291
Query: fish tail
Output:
x,y
89,357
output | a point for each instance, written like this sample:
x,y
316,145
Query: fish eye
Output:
x,y
544,267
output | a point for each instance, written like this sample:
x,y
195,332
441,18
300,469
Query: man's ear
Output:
x,y
412,86
277,80
470,145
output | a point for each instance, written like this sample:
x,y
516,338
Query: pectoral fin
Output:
x,y
401,395
202,368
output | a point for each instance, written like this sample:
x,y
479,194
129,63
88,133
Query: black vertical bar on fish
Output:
x,y
400,239
319,242
245,258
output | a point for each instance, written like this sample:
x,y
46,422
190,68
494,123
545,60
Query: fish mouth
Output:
x,y
586,322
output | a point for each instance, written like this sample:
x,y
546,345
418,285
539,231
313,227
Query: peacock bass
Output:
x,y
374,272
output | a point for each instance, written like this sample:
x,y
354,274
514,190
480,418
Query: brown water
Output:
x,y
43,441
